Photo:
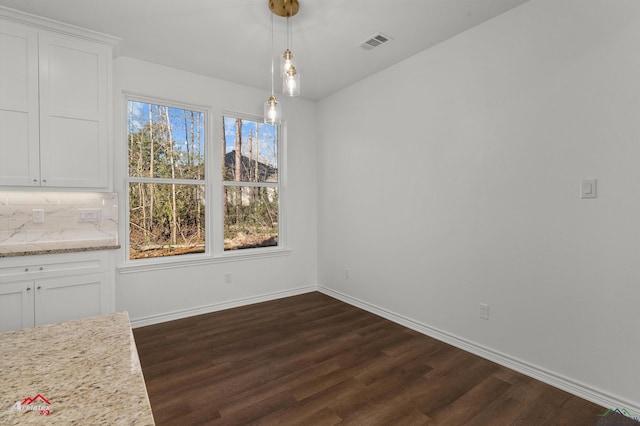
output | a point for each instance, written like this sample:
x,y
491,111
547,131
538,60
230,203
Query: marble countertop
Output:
x,y
83,372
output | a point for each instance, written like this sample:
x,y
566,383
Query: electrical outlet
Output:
x,y
89,215
38,216
484,311
228,278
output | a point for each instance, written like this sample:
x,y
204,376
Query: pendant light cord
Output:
x,y
271,53
289,34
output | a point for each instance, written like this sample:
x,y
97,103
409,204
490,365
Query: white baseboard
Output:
x,y
170,316
574,387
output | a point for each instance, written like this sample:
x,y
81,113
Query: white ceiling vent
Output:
x,y
374,41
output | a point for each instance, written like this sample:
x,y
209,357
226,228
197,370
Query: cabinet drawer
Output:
x,y
13,269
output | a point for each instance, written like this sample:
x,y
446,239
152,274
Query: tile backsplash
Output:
x,y
35,221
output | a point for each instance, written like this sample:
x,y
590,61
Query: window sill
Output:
x,y
200,259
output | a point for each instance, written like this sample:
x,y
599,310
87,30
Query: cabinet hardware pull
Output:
x,y
28,288
39,287
42,268
26,269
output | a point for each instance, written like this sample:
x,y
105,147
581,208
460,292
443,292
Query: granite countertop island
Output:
x,y
83,372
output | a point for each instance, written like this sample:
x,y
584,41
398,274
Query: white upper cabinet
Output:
x,y
54,108
19,122
73,113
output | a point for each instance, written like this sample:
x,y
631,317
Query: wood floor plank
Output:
x,y
466,407
313,360
501,412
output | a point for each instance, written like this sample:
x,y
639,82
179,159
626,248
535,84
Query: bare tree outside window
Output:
x,y
167,183
250,184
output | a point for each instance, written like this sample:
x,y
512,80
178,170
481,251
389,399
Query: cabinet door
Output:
x,y
19,131
73,112
16,305
69,298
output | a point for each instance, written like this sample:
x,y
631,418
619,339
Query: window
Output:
x,y
169,184
250,183
166,180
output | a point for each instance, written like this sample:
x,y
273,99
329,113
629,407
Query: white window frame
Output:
x,y
214,215
129,179
257,251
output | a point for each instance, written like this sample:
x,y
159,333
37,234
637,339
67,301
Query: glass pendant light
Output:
x,y
272,111
291,82
272,114
290,75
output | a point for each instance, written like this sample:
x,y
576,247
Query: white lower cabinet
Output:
x,y
49,292
16,305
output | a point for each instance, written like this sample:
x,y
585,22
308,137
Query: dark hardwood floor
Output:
x,y
313,360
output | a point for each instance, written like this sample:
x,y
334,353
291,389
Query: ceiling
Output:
x,y
230,39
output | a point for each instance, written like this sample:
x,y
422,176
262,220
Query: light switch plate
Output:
x,y
589,188
484,311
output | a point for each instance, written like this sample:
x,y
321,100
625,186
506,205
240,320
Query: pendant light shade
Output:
x,y
272,111
291,82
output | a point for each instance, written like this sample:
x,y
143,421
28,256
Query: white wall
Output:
x,y
452,179
157,295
